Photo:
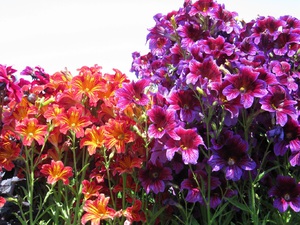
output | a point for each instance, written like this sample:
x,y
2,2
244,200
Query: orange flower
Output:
x,y
126,164
74,120
90,84
57,171
52,113
9,151
97,210
117,134
30,130
93,139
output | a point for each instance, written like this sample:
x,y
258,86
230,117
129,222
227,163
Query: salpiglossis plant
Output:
x,y
208,133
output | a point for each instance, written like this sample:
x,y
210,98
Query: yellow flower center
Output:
x,y
231,161
287,197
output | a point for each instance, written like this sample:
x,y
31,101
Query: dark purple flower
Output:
x,y
187,146
286,137
286,193
186,103
245,84
162,122
278,101
197,185
155,175
132,92
232,157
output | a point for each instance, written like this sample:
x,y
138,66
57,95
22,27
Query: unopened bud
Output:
x,y
200,91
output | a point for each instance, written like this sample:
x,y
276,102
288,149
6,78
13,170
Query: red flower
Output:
x,y
97,210
30,130
2,201
90,189
74,120
134,213
57,171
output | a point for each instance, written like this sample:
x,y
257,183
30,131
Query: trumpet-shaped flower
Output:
x,y
97,210
74,120
163,122
134,213
186,103
8,83
278,101
232,157
57,171
187,145
9,151
246,85
155,175
89,84
94,138
90,189
118,134
132,93
286,193
30,130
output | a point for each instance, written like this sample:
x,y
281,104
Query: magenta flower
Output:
x,y
246,85
278,101
207,69
132,92
8,83
186,103
163,122
187,146
232,158
286,193
155,175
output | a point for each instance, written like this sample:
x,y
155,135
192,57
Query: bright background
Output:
x,y
59,34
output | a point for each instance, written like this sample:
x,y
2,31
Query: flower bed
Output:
x,y
207,134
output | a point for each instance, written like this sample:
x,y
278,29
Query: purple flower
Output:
x,y
132,92
155,175
162,122
232,157
187,146
196,183
245,84
286,193
278,101
186,102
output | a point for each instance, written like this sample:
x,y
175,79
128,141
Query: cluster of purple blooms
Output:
x,y
226,105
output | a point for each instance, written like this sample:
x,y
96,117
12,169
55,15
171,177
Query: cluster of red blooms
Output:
x,y
44,113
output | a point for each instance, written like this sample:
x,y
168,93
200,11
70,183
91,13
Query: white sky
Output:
x,y
55,34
